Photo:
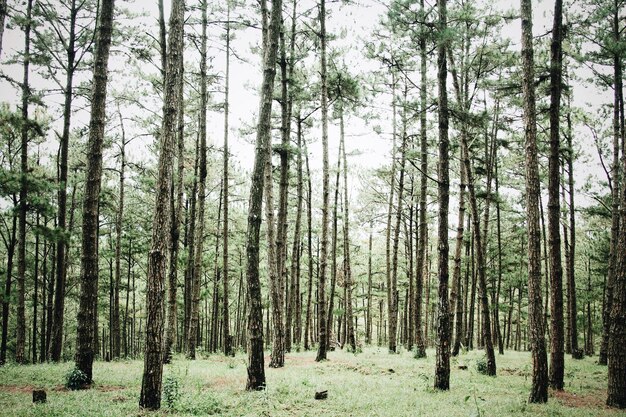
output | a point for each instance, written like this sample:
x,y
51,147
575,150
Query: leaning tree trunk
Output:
x,y
87,313
323,337
442,344
150,397
539,390
256,371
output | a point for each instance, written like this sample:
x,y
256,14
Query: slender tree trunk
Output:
x,y
368,315
192,336
323,336
539,390
61,265
618,133
20,342
333,272
442,344
350,337
570,247
309,215
557,364
456,276
191,219
296,253
85,344
256,371
499,238
420,349
176,207
150,397
228,348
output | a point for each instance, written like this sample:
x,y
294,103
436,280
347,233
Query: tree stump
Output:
x,y
39,396
321,395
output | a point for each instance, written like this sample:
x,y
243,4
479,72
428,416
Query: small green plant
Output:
x,y
481,365
76,379
171,393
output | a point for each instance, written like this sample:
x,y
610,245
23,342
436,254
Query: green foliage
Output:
x,y
171,392
481,365
76,379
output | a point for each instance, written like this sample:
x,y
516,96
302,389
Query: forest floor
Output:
x,y
372,383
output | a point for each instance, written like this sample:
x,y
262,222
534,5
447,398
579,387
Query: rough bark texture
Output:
x,y
256,371
20,356
177,208
616,352
539,390
194,319
442,343
456,274
56,345
150,397
321,352
350,338
85,343
420,349
228,349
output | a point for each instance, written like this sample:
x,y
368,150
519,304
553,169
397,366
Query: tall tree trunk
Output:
x,y
256,371
150,397
570,247
456,275
333,250
350,338
115,319
323,337
228,348
194,320
176,207
557,364
85,343
23,206
61,265
496,307
393,315
295,307
616,226
442,344
420,349
275,281
539,390
368,315
309,215
191,238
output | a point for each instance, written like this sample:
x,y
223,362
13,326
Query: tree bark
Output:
x,y
420,349
256,371
228,348
442,344
323,337
194,320
85,343
56,345
150,397
539,390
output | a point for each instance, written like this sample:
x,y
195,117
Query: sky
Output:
x,y
368,149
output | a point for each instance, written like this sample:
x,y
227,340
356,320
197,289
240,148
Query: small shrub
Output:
x,y
171,393
481,365
76,379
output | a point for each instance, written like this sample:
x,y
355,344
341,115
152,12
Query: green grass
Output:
x,y
372,383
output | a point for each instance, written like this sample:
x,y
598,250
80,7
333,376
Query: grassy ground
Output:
x,y
372,383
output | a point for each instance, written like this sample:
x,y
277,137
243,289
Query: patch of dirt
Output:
x,y
224,383
591,400
512,371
